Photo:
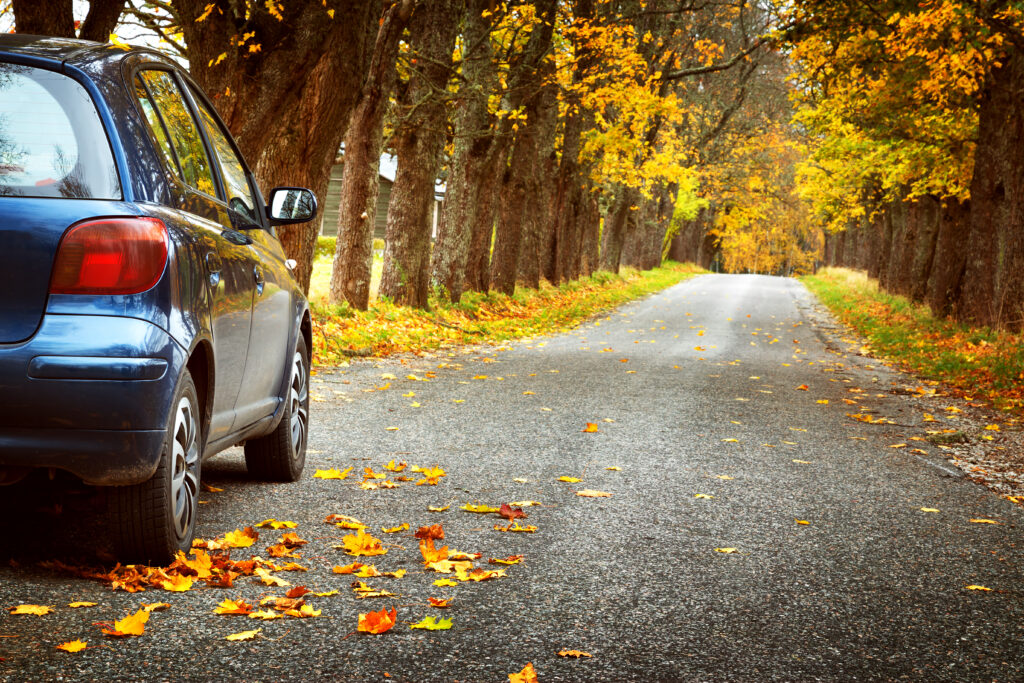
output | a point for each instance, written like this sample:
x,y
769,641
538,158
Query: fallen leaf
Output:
x,y
297,592
974,587
332,473
524,503
591,427
432,554
269,580
574,653
155,606
527,675
984,521
266,615
243,635
445,582
93,604
510,513
511,559
802,521
516,527
233,607
929,509
326,594
591,493
377,622
702,495
361,543
433,531
440,602
802,387
177,583
730,440
131,625
37,610
724,476
613,468
803,462
727,551
432,508
396,529
570,480
431,625
479,509
73,646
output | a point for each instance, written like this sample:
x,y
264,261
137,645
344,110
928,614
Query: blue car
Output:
x,y
148,314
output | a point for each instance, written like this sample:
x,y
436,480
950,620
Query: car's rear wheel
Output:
x,y
281,455
157,518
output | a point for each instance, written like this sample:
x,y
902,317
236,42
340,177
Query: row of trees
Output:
x,y
572,134
914,118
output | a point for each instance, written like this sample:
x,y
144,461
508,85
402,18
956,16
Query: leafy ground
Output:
x,y
340,332
977,363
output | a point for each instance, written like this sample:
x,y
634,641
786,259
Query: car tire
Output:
x,y
157,518
281,455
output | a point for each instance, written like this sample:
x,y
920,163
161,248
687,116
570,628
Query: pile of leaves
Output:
x,y
340,332
978,363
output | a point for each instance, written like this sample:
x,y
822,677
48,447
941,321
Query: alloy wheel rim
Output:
x,y
185,472
298,398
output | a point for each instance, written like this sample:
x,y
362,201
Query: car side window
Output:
x,y
240,197
156,125
182,131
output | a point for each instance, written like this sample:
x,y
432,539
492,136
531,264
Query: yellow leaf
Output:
x,y
132,625
802,521
727,551
730,440
269,580
480,509
73,646
613,468
243,635
177,584
574,653
37,610
434,508
570,480
591,493
974,587
446,582
527,675
266,615
330,13
984,521
361,543
591,427
83,603
332,473
396,529
702,495
992,428
724,476
803,462
929,509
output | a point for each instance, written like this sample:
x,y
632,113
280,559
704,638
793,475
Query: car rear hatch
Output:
x,y
56,168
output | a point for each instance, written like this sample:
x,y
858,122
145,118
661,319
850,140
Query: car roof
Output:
x,y
69,50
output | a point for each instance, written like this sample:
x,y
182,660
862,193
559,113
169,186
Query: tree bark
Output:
x,y
473,139
519,177
617,224
353,253
993,289
56,18
488,192
946,276
419,142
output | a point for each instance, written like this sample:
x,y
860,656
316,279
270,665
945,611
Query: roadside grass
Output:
x,y
340,332
978,362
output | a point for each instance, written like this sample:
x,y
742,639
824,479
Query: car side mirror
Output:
x,y
289,205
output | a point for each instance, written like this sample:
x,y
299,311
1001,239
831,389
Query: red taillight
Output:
x,y
110,256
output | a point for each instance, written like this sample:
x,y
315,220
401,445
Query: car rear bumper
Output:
x,y
89,394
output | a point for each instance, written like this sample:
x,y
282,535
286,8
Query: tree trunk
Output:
x,y
287,102
488,192
616,227
418,143
56,18
589,229
353,253
993,289
946,277
473,138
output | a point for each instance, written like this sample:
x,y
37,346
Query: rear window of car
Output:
x,y
52,142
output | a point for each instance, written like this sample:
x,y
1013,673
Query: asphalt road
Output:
x,y
718,387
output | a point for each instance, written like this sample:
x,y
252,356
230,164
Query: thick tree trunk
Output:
x,y
589,229
289,101
993,289
418,144
473,139
946,277
617,223
56,18
488,193
353,253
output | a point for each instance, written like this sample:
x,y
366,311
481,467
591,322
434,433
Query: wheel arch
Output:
x,y
200,366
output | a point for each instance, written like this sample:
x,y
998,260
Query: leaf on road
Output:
x,y
984,521
574,653
591,427
73,646
269,580
515,526
432,554
445,582
431,625
243,635
37,610
527,675
510,513
395,529
266,615
730,440
274,524
802,521
177,583
975,587
233,607
479,508
377,622
131,625
155,606
361,543
703,495
332,473
344,522
727,551
393,467
570,480
803,387
591,493
929,509
511,559
803,462
613,468
440,602
83,603
724,476
436,508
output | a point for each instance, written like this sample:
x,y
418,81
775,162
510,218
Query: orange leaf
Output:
x,y
432,554
803,387
527,675
132,625
377,622
362,543
439,602
510,513
233,607
73,646
434,532
591,427
574,653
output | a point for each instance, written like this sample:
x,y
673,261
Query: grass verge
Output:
x,y
978,362
340,332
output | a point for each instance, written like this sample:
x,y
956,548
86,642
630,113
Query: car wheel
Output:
x,y
281,455
157,518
